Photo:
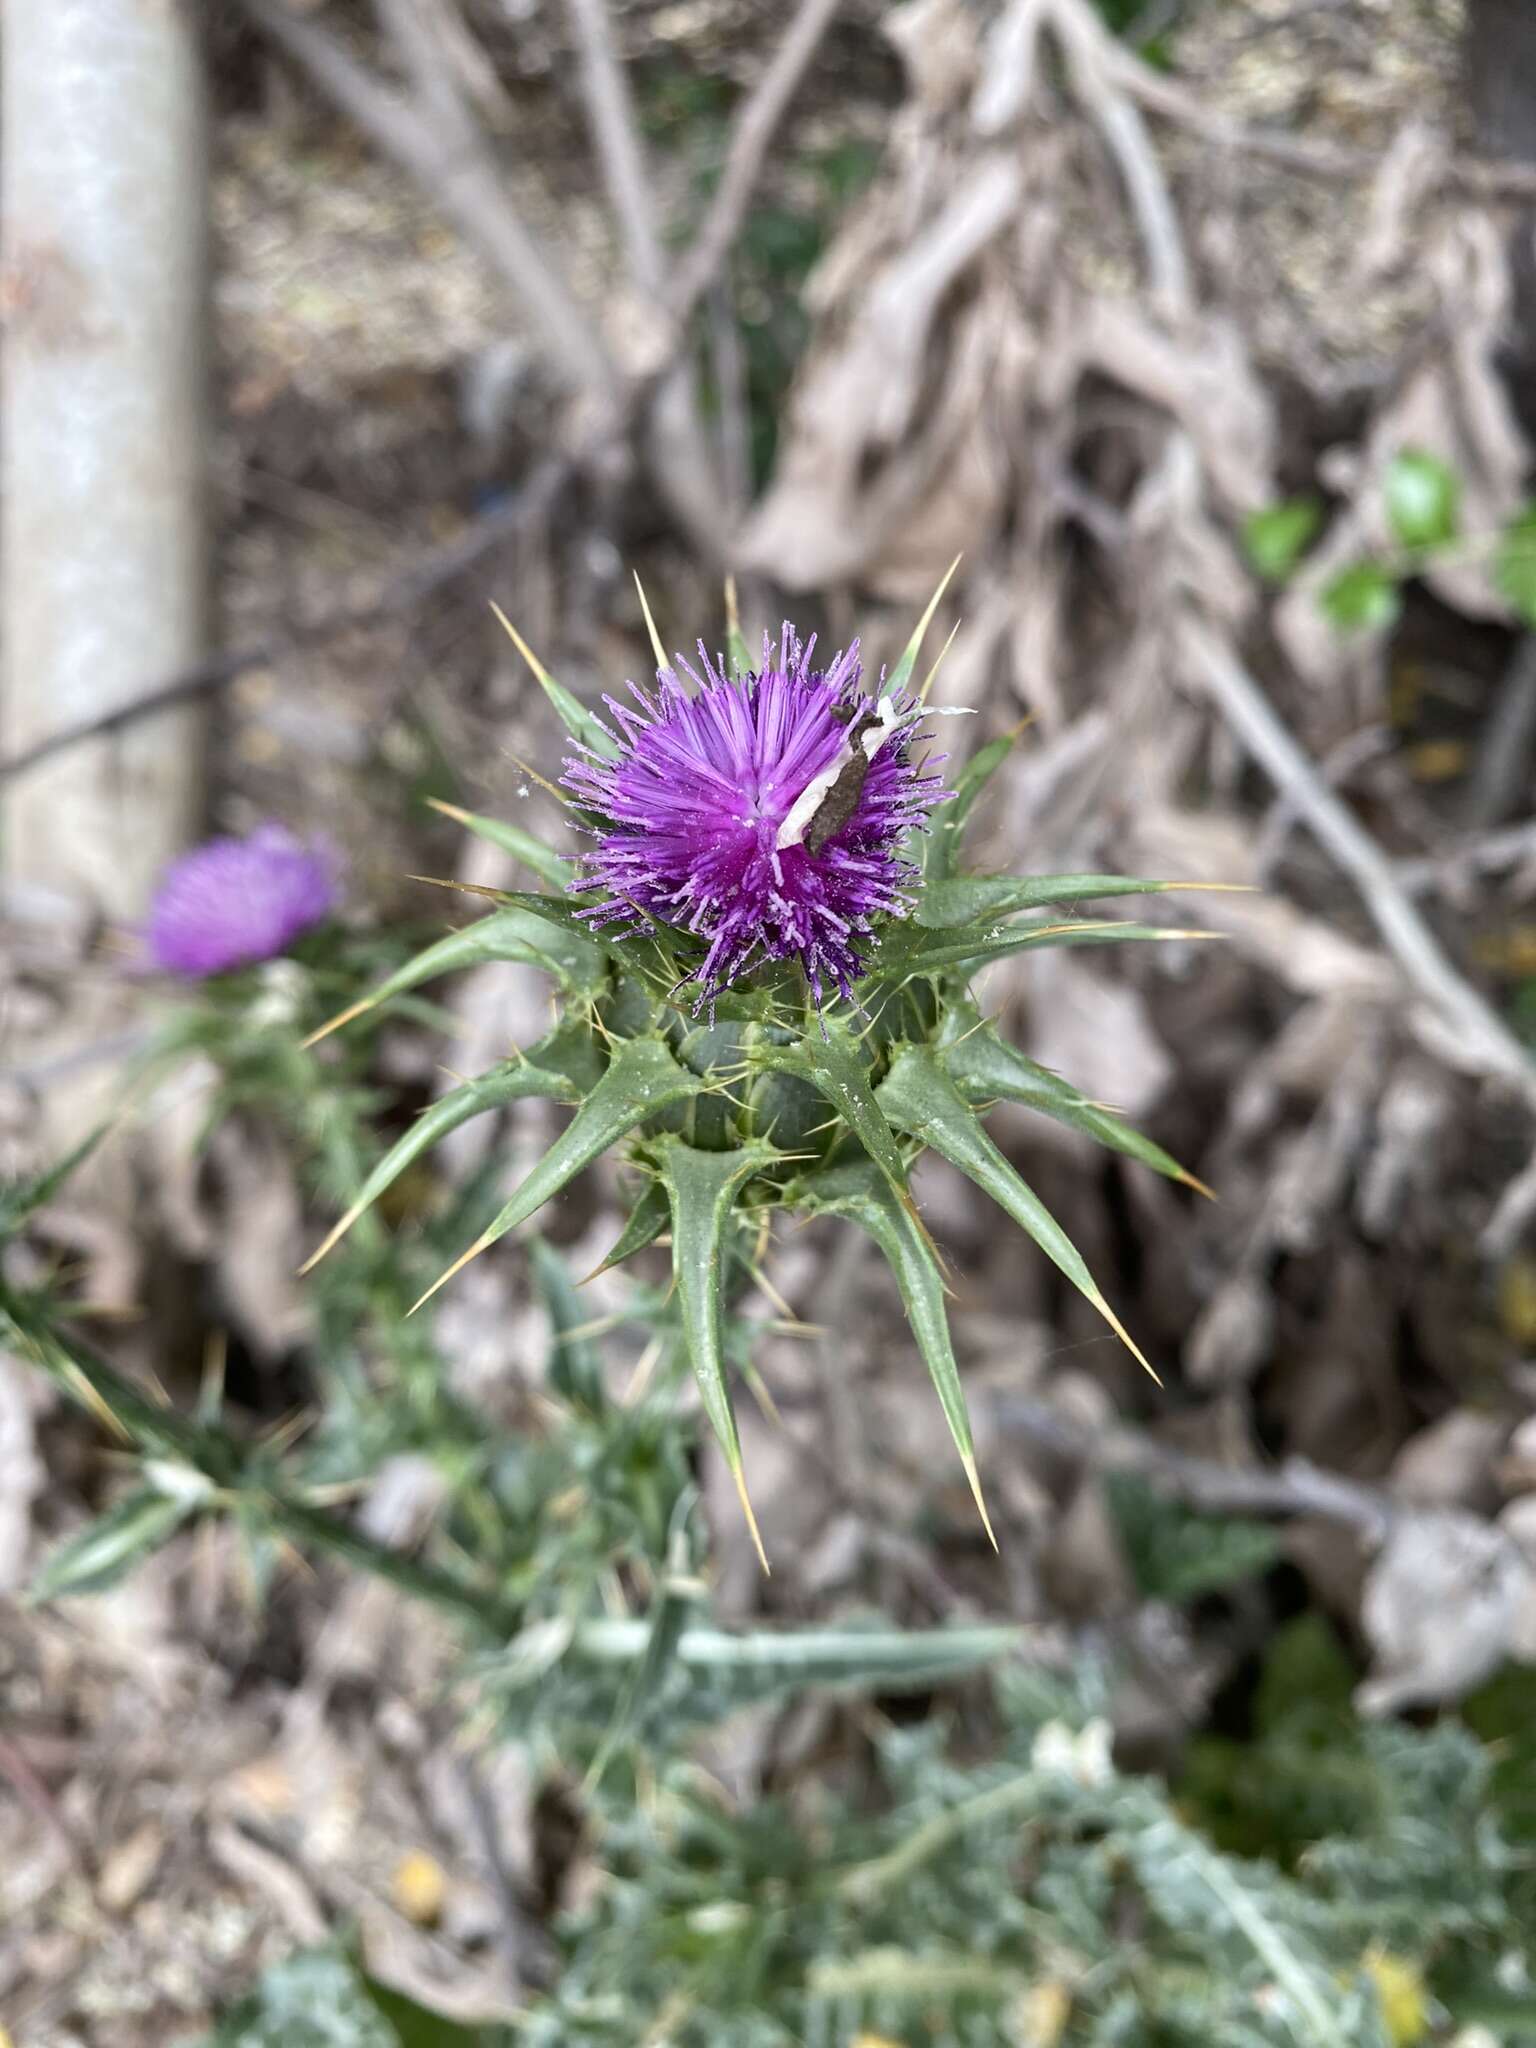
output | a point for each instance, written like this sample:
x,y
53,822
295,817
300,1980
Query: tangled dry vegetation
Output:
x,y
1089,317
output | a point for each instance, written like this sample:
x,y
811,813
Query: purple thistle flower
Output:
x,y
231,902
765,814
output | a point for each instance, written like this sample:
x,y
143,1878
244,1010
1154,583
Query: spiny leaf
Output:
x,y
857,1192
581,724
908,950
642,1079
508,934
961,899
548,865
650,626
19,1199
646,1221
834,1068
700,1189
987,1069
920,1098
98,1555
938,660
559,1069
901,674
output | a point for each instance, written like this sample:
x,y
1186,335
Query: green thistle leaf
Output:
x,y
509,934
834,1067
100,1554
987,1069
642,1079
581,724
901,674
858,1193
907,950
548,865
560,1069
647,1220
919,1097
942,845
963,899
701,1187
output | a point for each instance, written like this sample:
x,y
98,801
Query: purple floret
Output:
x,y
231,902
691,819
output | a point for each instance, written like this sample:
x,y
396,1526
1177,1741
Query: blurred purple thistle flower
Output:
x,y
764,814
231,902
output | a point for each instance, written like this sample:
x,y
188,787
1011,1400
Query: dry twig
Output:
x,y
1470,1034
434,136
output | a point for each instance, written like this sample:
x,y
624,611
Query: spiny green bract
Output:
x,y
775,1103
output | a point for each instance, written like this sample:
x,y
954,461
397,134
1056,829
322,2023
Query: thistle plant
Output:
x,y
764,959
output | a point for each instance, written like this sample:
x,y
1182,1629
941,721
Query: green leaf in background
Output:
x,y
737,652
98,1555
1363,598
1177,1554
321,1998
1423,499
575,1368
1276,538
1514,565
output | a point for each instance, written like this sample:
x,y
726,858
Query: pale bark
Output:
x,y
104,290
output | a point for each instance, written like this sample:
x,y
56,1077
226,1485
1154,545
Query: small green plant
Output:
x,y
1042,1896
1421,497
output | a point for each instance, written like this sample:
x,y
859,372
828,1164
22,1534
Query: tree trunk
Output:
x,y
103,180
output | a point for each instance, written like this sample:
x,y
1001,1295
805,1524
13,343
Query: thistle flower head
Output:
x,y
765,814
232,902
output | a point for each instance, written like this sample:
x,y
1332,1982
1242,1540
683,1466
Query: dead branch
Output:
x,y
435,568
1501,773
756,126
434,136
1310,157
1471,1035
1117,118
616,137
